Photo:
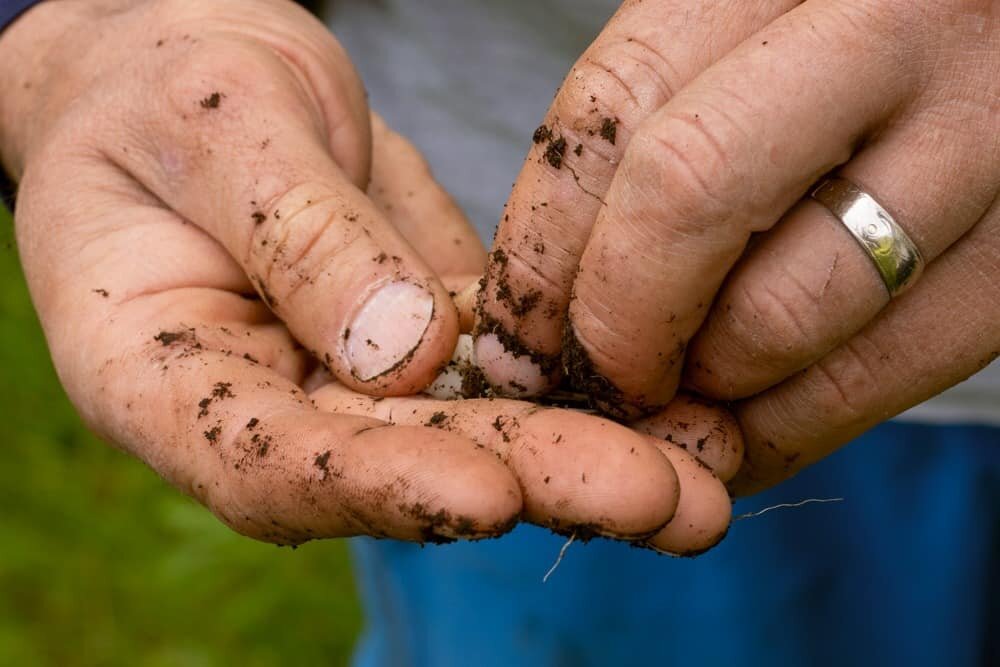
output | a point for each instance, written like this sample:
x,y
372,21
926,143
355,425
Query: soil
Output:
x,y
437,419
555,151
212,101
609,130
547,363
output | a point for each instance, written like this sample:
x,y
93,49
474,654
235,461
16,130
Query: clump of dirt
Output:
x,y
556,147
220,391
525,303
547,363
583,377
555,151
542,133
459,525
437,420
212,101
474,383
609,130
166,338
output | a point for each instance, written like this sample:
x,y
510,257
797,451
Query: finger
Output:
x,y
942,331
319,252
465,289
420,209
578,473
725,157
646,52
706,431
272,467
704,510
807,286
137,345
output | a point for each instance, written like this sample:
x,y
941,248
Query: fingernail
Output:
x,y
387,328
516,376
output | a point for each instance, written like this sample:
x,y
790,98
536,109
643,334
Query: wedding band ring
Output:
x,y
894,254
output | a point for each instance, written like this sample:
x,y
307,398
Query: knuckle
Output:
x,y
598,102
633,73
298,237
587,90
682,156
774,322
211,72
843,383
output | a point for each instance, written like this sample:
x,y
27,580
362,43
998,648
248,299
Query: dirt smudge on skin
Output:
x,y
582,376
512,344
525,303
322,462
220,391
442,527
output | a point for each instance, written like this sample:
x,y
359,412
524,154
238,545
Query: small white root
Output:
x,y
559,558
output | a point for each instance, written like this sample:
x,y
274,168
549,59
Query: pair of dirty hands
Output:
x,y
207,206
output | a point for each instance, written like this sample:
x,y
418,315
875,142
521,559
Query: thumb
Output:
x,y
268,166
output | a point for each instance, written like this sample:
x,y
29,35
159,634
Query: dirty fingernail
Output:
x,y
387,328
516,376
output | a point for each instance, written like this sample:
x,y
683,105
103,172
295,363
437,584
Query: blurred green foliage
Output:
x,y
101,563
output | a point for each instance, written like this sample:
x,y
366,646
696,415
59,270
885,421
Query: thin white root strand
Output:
x,y
559,558
807,501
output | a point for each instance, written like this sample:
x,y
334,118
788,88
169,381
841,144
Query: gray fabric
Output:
x,y
468,82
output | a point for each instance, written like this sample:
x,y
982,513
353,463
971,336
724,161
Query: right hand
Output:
x,y
175,158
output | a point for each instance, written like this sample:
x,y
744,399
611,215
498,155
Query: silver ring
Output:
x,y
894,254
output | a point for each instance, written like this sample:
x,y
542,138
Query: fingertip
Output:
x,y
387,328
399,338
608,396
599,477
446,486
707,431
512,373
704,510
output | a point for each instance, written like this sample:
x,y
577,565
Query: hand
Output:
x,y
176,157
687,127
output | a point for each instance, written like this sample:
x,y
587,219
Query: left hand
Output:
x,y
668,147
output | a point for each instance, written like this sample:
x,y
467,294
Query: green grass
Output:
x,y
101,563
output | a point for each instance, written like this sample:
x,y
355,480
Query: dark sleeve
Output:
x,y
10,10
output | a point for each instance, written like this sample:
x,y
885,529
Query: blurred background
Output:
x,y
101,563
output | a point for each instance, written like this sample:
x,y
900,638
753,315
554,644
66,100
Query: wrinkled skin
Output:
x,y
622,256
205,196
